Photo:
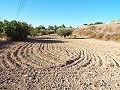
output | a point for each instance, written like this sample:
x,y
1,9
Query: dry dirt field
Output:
x,y
52,63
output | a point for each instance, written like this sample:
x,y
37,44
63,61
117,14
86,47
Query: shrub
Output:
x,y
40,27
107,37
88,33
16,30
74,35
98,23
1,28
115,37
85,24
48,32
45,32
33,32
91,24
42,32
92,35
50,27
99,36
64,32
62,26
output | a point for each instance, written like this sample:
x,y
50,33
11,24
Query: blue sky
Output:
x,y
57,12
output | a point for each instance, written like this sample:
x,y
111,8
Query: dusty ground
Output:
x,y
50,63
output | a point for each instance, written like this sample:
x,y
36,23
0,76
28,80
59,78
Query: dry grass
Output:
x,y
109,31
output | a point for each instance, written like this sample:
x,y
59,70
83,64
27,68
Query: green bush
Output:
x,y
42,32
91,24
85,24
64,32
33,32
45,32
50,27
98,23
48,32
16,30
1,28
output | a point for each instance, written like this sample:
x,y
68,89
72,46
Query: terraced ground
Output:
x,y
52,63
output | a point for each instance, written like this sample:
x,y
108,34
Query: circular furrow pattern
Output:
x,y
72,51
79,58
12,62
27,55
45,54
96,58
53,53
108,52
50,53
9,61
4,63
86,58
12,56
91,58
105,59
38,54
114,61
48,65
40,57
57,53
19,53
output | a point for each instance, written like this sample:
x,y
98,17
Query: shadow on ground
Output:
x,y
44,40
77,38
4,44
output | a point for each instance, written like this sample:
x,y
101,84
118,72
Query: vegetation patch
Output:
x,y
64,32
15,30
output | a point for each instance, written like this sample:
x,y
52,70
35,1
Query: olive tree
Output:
x,y
64,32
16,30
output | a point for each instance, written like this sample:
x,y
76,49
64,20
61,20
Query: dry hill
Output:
x,y
107,31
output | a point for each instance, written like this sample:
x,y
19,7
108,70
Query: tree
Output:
x,y
1,28
50,27
98,23
85,24
70,26
91,24
40,27
55,28
62,26
48,32
32,31
64,32
16,30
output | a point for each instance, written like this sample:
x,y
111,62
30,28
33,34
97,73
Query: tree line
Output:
x,y
94,23
16,30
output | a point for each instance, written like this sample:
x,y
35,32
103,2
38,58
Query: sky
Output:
x,y
57,12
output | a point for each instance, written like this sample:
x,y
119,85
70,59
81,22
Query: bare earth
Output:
x,y
51,63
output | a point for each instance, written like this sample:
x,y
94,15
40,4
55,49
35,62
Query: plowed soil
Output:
x,y
52,63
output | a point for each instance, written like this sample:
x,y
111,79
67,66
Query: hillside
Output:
x,y
107,31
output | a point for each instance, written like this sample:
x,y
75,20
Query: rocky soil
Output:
x,y
52,63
